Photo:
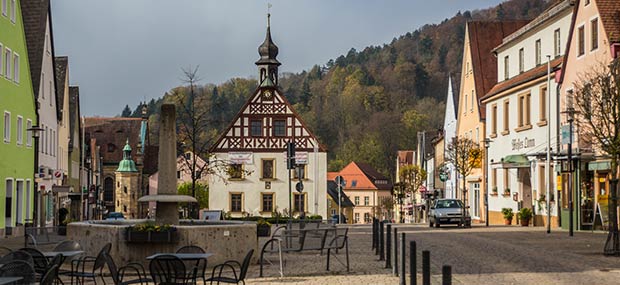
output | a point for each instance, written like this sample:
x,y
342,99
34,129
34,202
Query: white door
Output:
x,y
475,199
19,203
8,221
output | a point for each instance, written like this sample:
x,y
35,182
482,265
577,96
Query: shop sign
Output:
x,y
518,144
241,157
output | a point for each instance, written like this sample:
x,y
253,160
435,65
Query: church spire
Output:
x,y
268,51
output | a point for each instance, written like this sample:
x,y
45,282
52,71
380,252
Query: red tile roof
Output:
x,y
609,11
484,36
114,131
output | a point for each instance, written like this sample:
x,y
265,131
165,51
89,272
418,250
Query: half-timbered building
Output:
x,y
257,181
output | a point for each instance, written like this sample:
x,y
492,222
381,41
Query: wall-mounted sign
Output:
x,y
301,157
241,157
518,144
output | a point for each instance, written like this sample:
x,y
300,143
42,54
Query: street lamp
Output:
x,y
35,131
487,143
570,111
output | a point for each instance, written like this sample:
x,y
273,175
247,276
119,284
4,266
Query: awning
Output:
x,y
599,165
515,161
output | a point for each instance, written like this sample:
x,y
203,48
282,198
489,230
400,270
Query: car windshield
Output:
x,y
448,204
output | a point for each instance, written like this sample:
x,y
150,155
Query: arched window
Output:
x,y
111,147
108,189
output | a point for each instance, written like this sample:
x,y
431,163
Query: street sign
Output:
x,y
299,187
58,174
340,181
443,176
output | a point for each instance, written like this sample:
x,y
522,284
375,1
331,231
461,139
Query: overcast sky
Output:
x,y
125,51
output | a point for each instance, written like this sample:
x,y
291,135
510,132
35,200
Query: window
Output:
x,y
7,127
506,68
366,200
178,174
51,92
279,128
7,63
543,103
16,67
357,200
300,200
301,168
580,41
556,43
1,60
47,137
267,169
594,34
20,130
538,52
524,110
471,108
494,120
13,9
28,133
521,59
367,218
235,171
42,139
506,116
267,202
465,109
4,7
477,137
236,202
111,147
357,218
506,181
256,128
493,179
586,3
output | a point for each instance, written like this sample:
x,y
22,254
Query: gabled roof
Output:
x,y
362,176
34,15
609,11
74,115
115,131
332,191
523,77
484,36
61,65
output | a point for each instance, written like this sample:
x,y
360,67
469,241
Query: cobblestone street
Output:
x,y
495,255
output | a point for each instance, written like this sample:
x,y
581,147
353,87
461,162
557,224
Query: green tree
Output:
x,y
126,112
201,193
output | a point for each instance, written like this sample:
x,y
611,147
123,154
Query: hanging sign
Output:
x,y
241,157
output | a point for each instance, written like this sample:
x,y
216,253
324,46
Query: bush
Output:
x,y
525,214
507,213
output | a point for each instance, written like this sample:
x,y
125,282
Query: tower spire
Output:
x,y
268,51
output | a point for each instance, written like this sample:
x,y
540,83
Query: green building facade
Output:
x,y
17,111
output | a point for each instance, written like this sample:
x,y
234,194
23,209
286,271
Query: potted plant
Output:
x,y
508,214
263,228
151,232
494,190
524,215
507,192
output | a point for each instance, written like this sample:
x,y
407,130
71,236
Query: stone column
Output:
x,y
167,212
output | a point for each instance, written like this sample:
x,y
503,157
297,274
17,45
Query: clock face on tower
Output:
x,y
267,94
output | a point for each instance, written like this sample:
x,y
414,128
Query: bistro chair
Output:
x,y
17,255
19,268
5,250
50,277
79,270
169,269
40,261
201,264
243,270
118,274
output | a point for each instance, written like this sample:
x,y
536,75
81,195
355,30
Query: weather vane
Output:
x,y
268,14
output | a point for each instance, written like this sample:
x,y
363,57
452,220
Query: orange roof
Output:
x,y
331,176
361,176
609,11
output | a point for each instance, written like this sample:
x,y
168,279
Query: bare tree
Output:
x,y
465,155
597,97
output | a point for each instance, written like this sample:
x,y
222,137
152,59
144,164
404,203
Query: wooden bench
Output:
x,y
307,239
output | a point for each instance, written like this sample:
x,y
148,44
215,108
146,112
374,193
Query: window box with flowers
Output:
x,y
151,232
506,192
494,191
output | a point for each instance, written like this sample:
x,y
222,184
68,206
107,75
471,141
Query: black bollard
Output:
x,y
426,267
388,247
413,263
381,242
395,268
446,275
402,259
376,237
374,233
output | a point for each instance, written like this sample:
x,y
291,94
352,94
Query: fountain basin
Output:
x,y
227,240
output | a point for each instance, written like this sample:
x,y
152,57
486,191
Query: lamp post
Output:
x,y
35,131
570,111
487,143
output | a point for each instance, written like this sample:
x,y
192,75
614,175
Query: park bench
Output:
x,y
304,240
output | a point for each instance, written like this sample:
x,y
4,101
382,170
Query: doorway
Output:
x,y
19,203
525,181
475,199
8,214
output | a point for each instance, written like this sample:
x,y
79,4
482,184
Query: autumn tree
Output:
x,y
465,155
200,190
411,177
597,97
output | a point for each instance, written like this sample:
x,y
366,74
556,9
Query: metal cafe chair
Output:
x,y
201,264
79,270
243,269
19,268
17,255
118,274
169,269
50,277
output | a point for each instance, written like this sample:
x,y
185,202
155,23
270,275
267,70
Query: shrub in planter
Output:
x,y
263,228
151,232
508,214
524,215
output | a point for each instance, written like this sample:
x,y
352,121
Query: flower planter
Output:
x,y
169,236
263,230
507,222
525,222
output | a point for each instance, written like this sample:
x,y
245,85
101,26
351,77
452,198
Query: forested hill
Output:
x,y
368,104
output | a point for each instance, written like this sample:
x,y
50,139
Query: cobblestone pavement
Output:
x,y
479,255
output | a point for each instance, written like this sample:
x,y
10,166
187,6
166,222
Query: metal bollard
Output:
x,y
388,247
402,259
395,268
381,242
376,237
426,267
413,251
374,233
446,275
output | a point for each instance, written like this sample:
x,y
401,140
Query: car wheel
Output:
x,y
437,224
430,223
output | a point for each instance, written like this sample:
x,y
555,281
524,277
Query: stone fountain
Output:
x,y
227,240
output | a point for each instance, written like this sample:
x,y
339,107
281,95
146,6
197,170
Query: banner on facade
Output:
x,y
241,157
301,157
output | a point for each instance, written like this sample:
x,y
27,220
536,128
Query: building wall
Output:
x,y
469,124
251,187
332,209
374,208
17,163
127,189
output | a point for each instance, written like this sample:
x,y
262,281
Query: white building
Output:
x,y
256,180
520,112
449,129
